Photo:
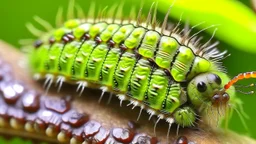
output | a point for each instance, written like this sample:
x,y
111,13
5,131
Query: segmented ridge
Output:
x,y
93,61
108,53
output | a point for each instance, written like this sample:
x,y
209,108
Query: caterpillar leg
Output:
x,y
185,117
110,97
59,82
48,82
169,120
121,97
160,116
151,113
141,108
103,89
81,85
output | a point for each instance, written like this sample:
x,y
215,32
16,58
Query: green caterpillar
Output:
x,y
166,72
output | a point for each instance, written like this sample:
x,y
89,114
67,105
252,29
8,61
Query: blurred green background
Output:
x,y
14,14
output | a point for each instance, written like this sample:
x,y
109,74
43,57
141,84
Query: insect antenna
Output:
x,y
246,93
244,86
239,77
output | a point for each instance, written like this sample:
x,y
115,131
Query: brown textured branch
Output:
x,y
112,115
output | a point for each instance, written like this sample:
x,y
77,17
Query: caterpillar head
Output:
x,y
207,88
214,88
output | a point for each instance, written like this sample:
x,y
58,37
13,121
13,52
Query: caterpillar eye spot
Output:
x,y
201,87
215,78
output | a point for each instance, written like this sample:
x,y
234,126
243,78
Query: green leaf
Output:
x,y
237,23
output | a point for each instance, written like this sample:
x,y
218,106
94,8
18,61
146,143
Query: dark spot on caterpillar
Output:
x,y
86,36
123,47
111,43
98,40
152,62
68,38
51,40
38,43
65,39
167,72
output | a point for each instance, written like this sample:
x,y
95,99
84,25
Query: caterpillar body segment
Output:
x,y
162,73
